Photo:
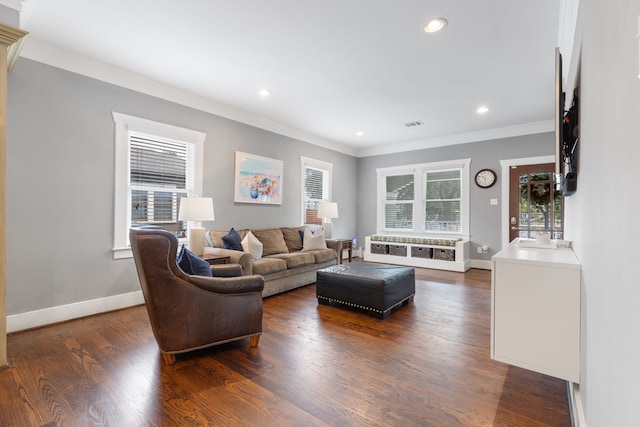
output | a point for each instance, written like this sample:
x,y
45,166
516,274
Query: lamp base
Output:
x,y
328,229
195,240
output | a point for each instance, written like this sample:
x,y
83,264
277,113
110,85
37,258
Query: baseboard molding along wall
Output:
x,y
482,264
47,316
575,405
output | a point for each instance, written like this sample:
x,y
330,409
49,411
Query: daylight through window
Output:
x,y
316,176
424,198
156,165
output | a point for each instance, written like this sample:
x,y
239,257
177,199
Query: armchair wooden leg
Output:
x,y
254,340
169,359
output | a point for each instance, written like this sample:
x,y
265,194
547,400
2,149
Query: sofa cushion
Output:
x,y
269,265
232,240
313,240
296,259
214,238
323,255
252,246
192,264
293,238
272,240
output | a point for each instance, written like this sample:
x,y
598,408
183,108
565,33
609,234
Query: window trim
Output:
x,y
418,171
307,162
124,124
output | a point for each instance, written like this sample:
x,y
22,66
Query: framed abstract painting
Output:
x,y
258,179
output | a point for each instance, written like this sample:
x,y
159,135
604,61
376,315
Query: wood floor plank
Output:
x,y
316,365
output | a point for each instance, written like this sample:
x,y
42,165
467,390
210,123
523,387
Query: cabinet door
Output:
x,y
537,318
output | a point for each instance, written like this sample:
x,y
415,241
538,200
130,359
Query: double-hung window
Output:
x,y
425,198
316,176
442,204
398,202
156,165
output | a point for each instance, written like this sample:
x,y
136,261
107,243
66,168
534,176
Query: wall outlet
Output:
x,y
493,202
479,249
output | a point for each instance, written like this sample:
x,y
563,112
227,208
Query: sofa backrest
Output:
x,y
274,240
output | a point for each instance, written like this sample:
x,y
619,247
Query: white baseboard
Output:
x,y
34,319
575,405
478,263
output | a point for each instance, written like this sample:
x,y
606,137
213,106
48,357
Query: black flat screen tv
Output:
x,y
559,121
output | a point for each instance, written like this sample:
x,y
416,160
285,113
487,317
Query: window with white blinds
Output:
x,y
398,204
443,191
425,198
156,165
161,172
316,176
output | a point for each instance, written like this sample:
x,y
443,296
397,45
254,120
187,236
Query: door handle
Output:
x,y
515,228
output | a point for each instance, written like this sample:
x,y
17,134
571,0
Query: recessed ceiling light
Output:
x,y
359,133
435,25
264,93
482,109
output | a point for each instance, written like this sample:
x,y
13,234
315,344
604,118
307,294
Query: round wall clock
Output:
x,y
485,178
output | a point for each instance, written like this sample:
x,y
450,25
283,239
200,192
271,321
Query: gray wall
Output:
x,y
60,179
9,16
602,215
484,219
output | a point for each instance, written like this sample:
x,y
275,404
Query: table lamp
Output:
x,y
196,209
327,211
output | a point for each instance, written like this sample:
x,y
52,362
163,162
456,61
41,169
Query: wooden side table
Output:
x,y
216,259
345,244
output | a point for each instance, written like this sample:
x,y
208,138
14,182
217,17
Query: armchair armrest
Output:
x,y
229,285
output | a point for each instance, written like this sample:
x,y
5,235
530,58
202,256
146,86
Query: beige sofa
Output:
x,y
284,264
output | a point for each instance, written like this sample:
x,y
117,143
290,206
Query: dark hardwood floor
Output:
x,y
426,365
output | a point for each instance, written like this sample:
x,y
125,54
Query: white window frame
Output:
x,y
124,124
418,171
307,162
383,202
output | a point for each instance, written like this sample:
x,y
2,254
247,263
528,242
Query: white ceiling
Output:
x,y
334,67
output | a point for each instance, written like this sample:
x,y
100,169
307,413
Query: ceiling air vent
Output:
x,y
412,124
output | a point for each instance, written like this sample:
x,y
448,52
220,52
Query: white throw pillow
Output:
x,y
252,246
313,241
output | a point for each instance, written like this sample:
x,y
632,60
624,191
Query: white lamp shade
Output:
x,y
328,210
196,209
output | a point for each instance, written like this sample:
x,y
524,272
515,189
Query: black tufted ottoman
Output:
x,y
375,288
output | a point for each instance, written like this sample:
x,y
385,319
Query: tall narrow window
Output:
x,y
316,176
398,204
156,165
442,200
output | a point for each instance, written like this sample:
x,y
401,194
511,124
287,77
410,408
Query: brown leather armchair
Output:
x,y
193,312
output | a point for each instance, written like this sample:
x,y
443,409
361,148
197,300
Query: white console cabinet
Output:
x,y
535,310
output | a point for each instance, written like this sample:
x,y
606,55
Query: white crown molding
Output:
x,y
486,135
45,53
12,4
